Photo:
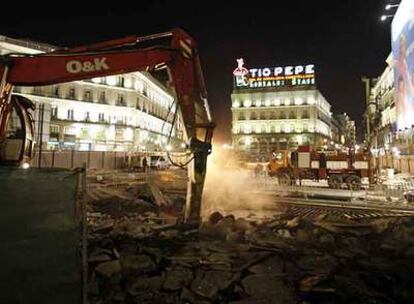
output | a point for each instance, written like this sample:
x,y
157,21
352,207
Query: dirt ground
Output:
x,y
139,253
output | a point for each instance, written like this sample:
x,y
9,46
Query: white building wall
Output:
x,y
137,110
308,108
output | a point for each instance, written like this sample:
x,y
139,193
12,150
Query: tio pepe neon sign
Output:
x,y
300,75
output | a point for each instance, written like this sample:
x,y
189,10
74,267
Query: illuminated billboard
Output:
x,y
403,62
273,77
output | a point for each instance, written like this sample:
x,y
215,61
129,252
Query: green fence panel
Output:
x,y
40,236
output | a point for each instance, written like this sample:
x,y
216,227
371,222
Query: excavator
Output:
x,y
174,51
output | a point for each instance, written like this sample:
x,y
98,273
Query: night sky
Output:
x,y
343,38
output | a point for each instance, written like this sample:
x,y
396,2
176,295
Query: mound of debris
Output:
x,y
235,260
132,211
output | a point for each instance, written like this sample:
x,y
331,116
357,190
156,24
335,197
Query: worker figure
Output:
x,y
145,164
272,165
258,170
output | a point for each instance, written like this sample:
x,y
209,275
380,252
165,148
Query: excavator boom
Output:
x,y
113,57
52,69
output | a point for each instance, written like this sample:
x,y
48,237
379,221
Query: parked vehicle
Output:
x,y
306,163
160,163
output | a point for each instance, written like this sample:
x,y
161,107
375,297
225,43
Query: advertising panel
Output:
x,y
403,63
273,77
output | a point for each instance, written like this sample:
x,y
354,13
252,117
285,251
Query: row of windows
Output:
x,y
118,81
85,116
385,83
273,129
296,101
273,115
130,83
276,102
282,128
87,95
101,97
142,104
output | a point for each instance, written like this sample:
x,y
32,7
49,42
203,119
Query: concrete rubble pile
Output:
x,y
141,257
130,214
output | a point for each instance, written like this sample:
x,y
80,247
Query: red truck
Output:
x,y
338,168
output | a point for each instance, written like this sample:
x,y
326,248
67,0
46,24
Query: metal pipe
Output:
x,y
41,121
84,238
154,36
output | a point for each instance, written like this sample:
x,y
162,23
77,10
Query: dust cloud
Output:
x,y
231,189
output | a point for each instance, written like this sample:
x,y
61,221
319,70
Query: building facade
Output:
x,y
382,130
343,130
381,114
128,112
390,99
278,109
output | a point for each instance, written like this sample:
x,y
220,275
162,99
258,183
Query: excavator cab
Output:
x,y
17,144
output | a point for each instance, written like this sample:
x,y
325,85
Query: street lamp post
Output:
x,y
367,83
390,6
387,8
385,17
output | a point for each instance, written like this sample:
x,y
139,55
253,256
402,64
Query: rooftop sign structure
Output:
x,y
273,77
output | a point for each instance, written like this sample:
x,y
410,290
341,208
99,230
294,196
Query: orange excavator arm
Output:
x,y
118,57
48,69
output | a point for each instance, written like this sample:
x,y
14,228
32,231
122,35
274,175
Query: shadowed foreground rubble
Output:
x,y
137,254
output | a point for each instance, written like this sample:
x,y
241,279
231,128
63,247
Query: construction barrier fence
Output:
x,y
43,236
401,164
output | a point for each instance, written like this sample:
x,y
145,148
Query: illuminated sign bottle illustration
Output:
x,y
240,73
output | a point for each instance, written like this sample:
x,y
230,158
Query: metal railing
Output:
x,y
394,194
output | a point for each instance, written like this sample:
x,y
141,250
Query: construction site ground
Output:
x,y
254,246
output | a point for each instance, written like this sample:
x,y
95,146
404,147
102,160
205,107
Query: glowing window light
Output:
x,y
110,133
93,130
128,83
311,100
236,104
276,102
396,151
248,141
111,80
275,128
258,103
247,103
267,103
287,128
298,101
96,80
128,134
78,115
139,86
247,129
